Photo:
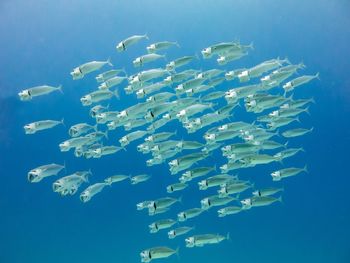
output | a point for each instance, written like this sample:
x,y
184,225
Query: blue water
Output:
x,y
41,41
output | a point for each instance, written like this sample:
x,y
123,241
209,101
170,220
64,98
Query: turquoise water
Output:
x,y
42,41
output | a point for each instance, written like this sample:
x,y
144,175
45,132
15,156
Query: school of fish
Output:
x,y
201,103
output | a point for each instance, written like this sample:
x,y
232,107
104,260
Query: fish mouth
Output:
x,y
33,177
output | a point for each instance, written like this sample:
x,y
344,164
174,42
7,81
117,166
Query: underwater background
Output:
x,y
41,41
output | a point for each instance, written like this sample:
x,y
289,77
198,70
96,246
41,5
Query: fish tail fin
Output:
x,y
279,199
197,56
109,62
228,236
297,119
285,145
146,36
287,60
305,169
317,75
302,149
116,94
64,166
177,252
180,200
301,65
95,127
307,111
106,134
312,128
62,121
124,71
312,100
251,45
60,88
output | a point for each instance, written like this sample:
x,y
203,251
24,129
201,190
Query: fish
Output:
x,y
164,202
39,173
116,178
257,201
29,94
296,132
80,129
205,239
86,68
140,61
140,178
172,65
160,46
267,191
161,224
156,253
132,40
179,231
91,191
290,85
215,200
102,77
229,210
189,213
98,96
287,172
111,82
69,184
176,187
34,127
215,180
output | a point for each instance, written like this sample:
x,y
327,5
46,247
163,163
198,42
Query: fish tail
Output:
x,y
287,60
286,144
301,65
109,62
64,166
177,252
106,134
311,129
146,36
116,94
317,75
307,111
60,88
62,121
305,169
95,127
279,199
251,45
228,236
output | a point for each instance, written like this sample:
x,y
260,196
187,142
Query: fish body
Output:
x,y
91,191
37,174
126,43
201,240
28,94
80,71
157,253
34,127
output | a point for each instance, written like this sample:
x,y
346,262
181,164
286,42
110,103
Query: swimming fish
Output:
x,y
123,45
33,127
80,71
28,94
